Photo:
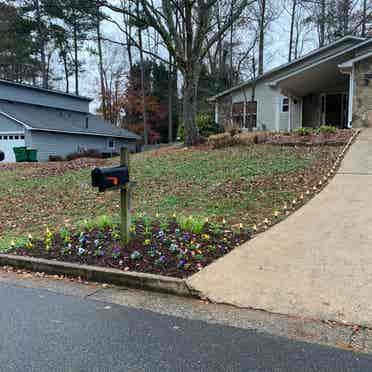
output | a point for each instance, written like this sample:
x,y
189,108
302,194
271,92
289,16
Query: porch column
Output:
x,y
216,118
289,113
245,114
351,96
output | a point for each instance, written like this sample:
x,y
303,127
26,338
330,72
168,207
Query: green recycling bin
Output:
x,y
31,155
20,153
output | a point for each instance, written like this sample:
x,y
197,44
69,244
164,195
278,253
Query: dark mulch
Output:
x,y
341,137
168,251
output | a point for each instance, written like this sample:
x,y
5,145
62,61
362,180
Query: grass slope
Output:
x,y
242,185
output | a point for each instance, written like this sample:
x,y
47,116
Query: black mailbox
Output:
x,y
110,178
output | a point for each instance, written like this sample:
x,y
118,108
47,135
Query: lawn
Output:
x,y
242,185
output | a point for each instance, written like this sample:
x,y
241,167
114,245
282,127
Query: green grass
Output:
x,y
214,184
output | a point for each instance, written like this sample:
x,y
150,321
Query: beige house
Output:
x,y
329,86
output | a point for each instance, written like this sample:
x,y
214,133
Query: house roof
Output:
x,y
47,119
281,68
50,91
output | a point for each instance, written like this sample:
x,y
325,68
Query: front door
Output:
x,y
336,110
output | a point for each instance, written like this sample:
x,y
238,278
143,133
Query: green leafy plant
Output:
x,y
206,125
193,224
327,129
304,131
105,222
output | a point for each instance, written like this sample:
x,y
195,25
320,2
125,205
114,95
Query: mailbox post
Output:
x,y
117,178
125,200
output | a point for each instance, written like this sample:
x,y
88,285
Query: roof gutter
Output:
x,y
277,69
285,77
84,133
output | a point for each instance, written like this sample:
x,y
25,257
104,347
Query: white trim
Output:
x,y
317,63
277,111
289,114
82,133
14,119
11,133
349,63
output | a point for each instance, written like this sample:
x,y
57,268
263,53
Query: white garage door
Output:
x,y
7,142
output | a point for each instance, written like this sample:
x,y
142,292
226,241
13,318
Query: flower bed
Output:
x,y
311,138
158,248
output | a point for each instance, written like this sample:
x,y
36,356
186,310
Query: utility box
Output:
x,y
110,178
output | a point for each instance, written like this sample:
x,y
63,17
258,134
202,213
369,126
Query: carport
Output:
x,y
318,94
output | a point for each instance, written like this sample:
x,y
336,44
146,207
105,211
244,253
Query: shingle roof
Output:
x,y
58,120
358,41
50,91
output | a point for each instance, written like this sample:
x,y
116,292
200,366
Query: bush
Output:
x,y
327,129
303,131
221,140
91,153
55,158
205,124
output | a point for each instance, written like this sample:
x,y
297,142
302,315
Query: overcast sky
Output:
x,y
276,53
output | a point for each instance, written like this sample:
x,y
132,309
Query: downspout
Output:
x,y
216,118
351,96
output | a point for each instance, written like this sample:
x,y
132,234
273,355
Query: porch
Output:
x,y
318,95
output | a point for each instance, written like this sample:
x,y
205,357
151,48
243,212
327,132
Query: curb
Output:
x,y
131,279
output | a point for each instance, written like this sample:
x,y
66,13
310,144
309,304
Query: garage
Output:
x,y
7,142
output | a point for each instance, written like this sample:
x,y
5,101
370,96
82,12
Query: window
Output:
x,y
22,137
16,137
237,112
251,114
5,137
10,137
111,143
285,104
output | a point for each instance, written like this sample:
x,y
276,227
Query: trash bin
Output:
x,y
31,155
20,153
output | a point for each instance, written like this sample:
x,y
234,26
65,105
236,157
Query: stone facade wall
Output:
x,y
362,100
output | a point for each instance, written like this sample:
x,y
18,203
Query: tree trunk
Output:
x,y
322,22
44,73
231,49
293,17
66,73
170,101
365,19
144,106
76,61
190,96
261,46
100,63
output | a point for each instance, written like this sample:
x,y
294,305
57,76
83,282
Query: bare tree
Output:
x,y
187,42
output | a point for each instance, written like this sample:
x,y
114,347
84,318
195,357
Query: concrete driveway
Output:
x,y
317,263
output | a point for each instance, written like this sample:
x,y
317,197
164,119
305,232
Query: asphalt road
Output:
x,y
42,331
